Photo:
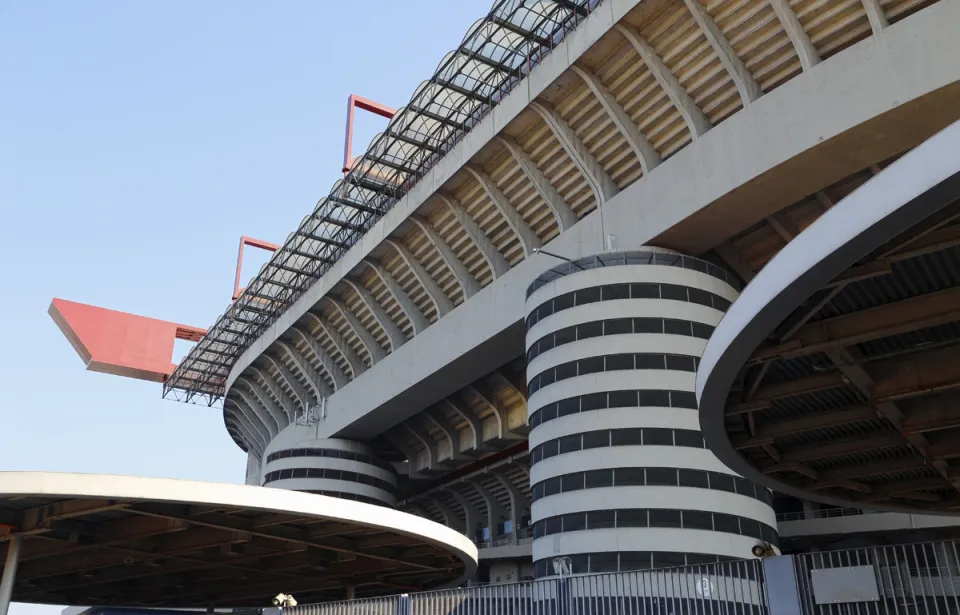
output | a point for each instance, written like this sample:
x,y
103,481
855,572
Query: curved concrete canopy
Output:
x,y
903,204
125,540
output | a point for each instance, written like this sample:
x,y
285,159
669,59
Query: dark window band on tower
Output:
x,y
328,474
656,518
637,290
610,363
618,326
637,436
655,398
649,477
332,453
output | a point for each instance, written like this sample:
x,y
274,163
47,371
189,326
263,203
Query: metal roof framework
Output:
x,y
496,54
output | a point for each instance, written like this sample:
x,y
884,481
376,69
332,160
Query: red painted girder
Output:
x,y
119,343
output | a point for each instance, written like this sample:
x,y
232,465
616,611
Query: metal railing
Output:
x,y
824,514
911,579
730,587
907,579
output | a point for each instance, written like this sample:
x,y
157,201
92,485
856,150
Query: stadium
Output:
x,y
716,241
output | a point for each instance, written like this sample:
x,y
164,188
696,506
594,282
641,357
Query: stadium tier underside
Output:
x,y
87,539
498,318
836,373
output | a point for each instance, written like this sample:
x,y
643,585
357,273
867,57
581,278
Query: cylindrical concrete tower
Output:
x,y
619,474
334,467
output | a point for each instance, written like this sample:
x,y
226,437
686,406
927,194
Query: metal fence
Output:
x,y
731,588
825,513
911,579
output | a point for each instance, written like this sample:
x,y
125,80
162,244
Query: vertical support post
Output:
x,y
9,573
783,591
358,102
351,592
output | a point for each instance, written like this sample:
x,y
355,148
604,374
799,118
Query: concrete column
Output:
x,y
351,592
9,573
809,510
620,477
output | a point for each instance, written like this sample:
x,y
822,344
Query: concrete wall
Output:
x,y
869,102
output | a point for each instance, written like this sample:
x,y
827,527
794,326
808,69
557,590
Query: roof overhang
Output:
x,y
134,541
831,420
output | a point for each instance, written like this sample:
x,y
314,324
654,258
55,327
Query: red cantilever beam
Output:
x,y
119,343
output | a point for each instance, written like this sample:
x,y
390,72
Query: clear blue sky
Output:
x,y
138,142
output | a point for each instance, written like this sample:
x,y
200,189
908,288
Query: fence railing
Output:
x,y
919,578
909,579
825,513
730,587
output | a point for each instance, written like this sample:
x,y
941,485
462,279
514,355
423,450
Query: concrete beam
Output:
x,y
697,123
648,156
254,439
808,54
252,410
876,16
491,503
349,355
473,421
470,514
407,451
600,183
449,432
417,320
495,261
452,519
428,443
439,299
250,435
314,380
277,392
528,239
374,350
326,361
394,334
517,502
468,284
746,86
303,397
266,407
561,210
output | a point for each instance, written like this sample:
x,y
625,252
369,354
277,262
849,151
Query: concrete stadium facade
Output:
x,y
717,131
